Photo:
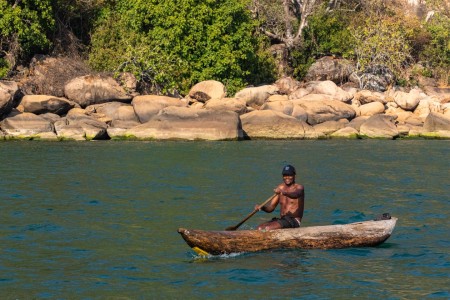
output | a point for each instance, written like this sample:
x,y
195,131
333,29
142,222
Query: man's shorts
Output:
x,y
288,222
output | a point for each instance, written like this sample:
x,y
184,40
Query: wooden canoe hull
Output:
x,y
359,234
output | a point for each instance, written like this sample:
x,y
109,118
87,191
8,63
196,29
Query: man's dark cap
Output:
x,y
288,170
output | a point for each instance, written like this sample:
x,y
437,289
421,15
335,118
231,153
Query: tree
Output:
x,y
284,21
172,45
74,21
436,51
24,29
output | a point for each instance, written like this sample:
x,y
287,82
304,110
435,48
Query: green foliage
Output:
x,y
4,68
24,27
74,22
382,42
436,52
327,34
174,44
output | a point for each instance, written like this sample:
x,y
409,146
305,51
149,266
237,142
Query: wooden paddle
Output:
x,y
232,228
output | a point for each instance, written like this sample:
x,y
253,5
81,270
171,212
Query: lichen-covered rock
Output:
x,y
330,68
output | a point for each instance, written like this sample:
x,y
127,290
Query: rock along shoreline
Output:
x,y
99,108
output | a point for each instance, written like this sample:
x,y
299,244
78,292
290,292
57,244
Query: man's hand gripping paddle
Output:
x,y
232,228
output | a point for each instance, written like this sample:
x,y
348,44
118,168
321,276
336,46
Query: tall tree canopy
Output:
x,y
174,44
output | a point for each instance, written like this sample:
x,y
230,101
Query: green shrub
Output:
x,y
436,53
24,29
382,41
172,45
327,34
4,68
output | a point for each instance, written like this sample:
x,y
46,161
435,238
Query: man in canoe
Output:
x,y
291,197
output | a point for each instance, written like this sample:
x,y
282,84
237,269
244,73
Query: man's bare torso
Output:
x,y
292,206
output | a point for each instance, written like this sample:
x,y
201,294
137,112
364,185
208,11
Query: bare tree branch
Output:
x,y
284,20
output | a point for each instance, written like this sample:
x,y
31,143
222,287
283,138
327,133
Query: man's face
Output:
x,y
288,179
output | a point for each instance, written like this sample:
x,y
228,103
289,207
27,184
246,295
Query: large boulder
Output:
x,y
269,124
256,96
299,93
189,124
125,117
345,133
380,127
325,110
285,107
299,113
314,97
65,131
80,127
329,88
436,122
326,128
148,106
9,96
330,68
206,90
366,96
108,112
357,122
287,85
371,109
90,89
41,104
228,104
426,106
51,117
27,126
408,101
441,95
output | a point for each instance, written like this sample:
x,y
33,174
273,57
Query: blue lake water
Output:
x,y
98,220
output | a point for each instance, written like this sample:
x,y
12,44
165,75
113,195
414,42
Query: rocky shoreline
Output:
x,y
97,107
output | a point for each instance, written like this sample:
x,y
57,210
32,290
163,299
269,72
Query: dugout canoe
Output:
x,y
359,234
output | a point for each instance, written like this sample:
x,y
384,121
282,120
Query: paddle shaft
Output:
x,y
232,228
